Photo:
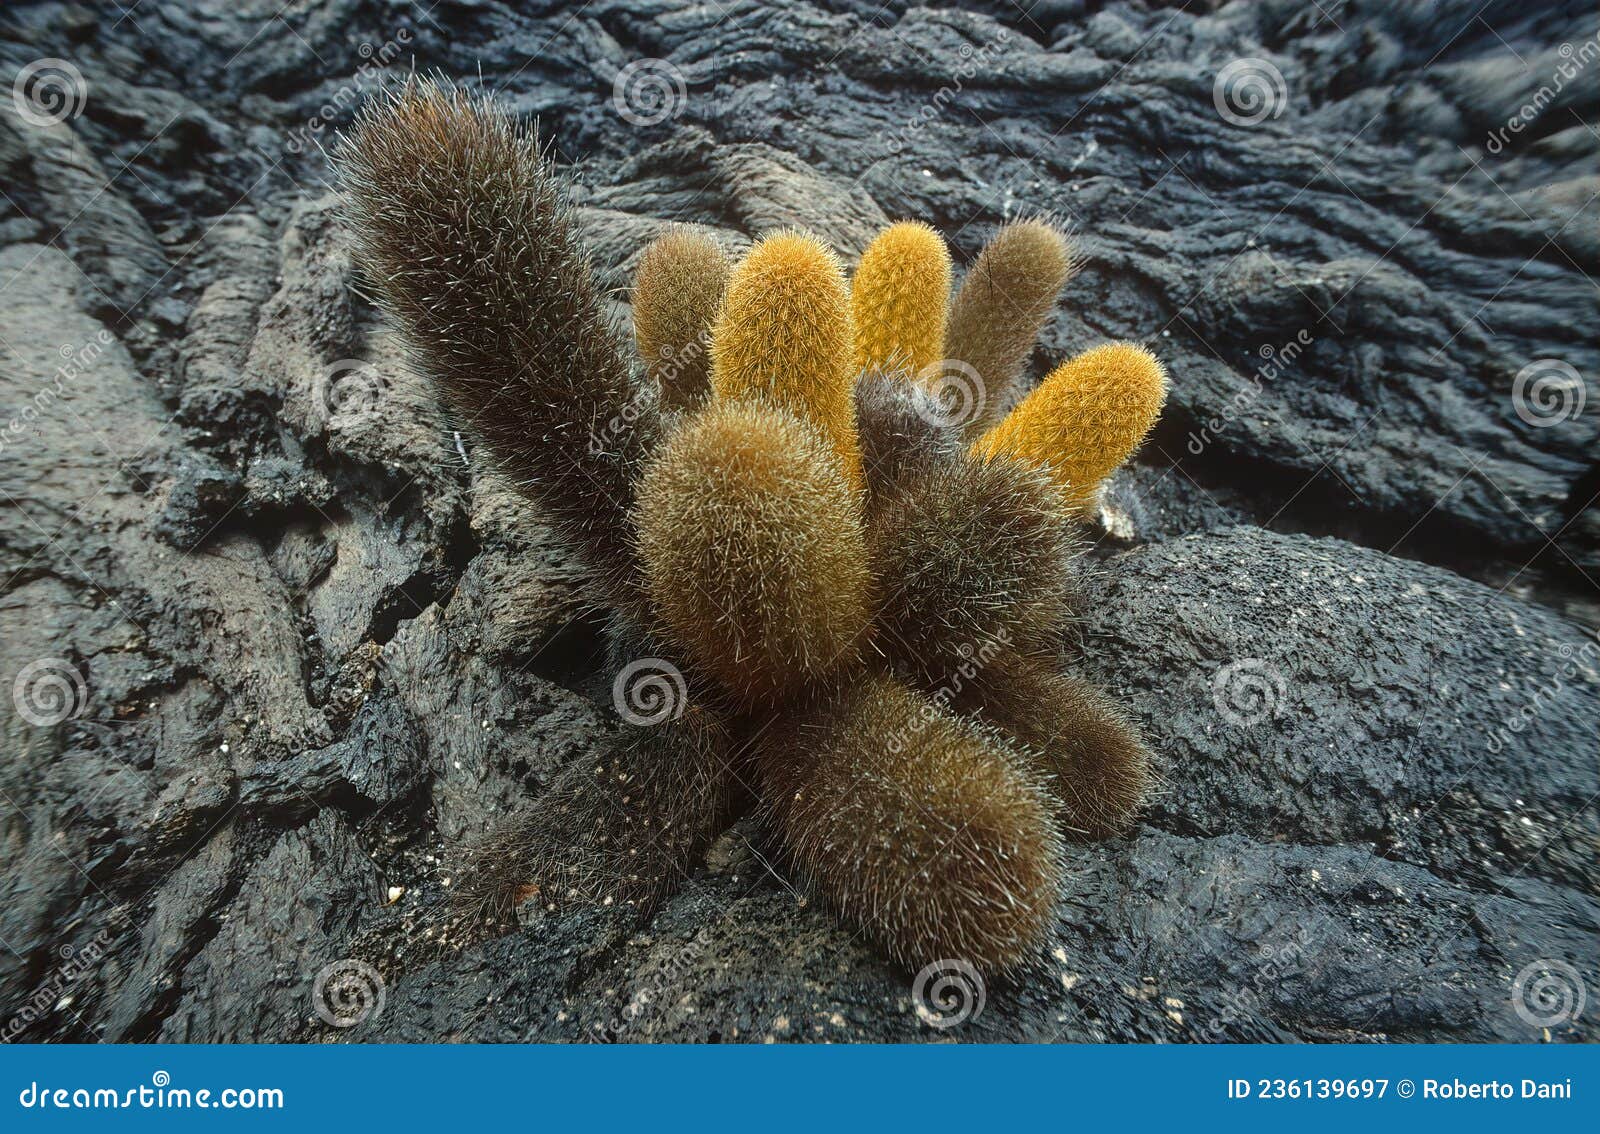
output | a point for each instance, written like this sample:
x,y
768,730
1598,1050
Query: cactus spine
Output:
x,y
899,297
784,334
461,225
1001,307
1084,419
677,292
753,550
919,827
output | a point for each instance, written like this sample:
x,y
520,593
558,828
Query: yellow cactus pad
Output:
x,y
899,298
1084,419
784,334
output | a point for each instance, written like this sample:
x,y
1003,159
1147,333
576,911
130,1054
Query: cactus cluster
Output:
x,y
864,593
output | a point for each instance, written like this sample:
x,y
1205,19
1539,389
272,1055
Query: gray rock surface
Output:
x,y
275,642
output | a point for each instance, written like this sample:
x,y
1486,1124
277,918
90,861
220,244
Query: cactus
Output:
x,y
623,830
1084,419
973,558
884,651
784,334
1002,305
901,431
753,550
677,293
1071,734
899,297
461,225
919,827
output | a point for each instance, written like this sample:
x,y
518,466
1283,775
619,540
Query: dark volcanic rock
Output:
x,y
274,643
1375,811
1322,692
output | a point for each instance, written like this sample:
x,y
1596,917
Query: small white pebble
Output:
x,y
396,893
223,747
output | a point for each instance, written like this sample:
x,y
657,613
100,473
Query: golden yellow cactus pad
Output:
x,y
1084,419
784,334
899,298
